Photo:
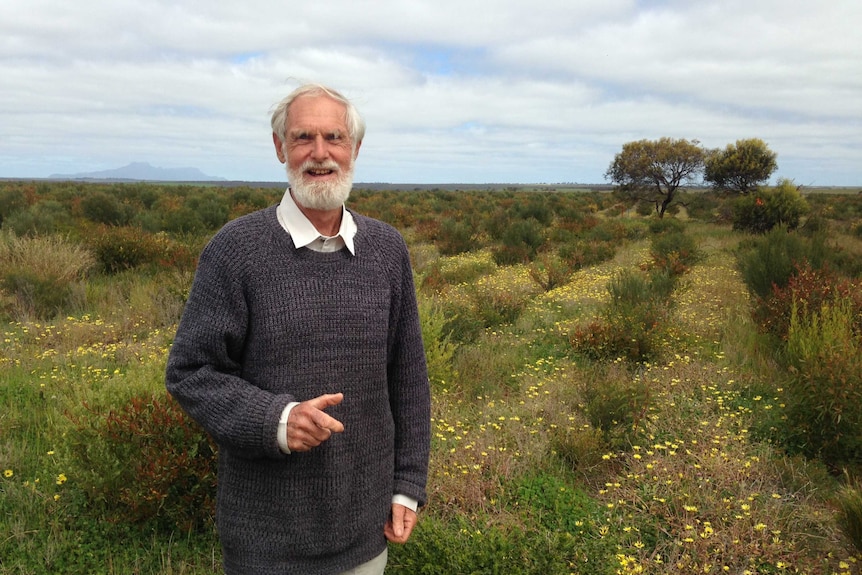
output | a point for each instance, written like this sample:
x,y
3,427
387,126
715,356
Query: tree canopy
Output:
x,y
741,167
653,170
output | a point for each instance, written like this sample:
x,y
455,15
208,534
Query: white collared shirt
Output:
x,y
305,235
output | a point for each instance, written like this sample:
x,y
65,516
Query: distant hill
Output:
x,y
142,171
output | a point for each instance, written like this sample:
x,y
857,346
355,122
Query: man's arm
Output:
x,y
204,370
409,389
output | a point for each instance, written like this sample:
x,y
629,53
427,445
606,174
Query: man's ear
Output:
x,y
279,151
356,149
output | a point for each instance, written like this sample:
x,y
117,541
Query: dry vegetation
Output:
x,y
544,459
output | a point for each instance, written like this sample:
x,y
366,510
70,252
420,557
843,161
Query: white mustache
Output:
x,y
328,165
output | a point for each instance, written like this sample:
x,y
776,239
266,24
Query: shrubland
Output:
x,y
612,393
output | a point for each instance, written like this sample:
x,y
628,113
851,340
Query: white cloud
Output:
x,y
453,90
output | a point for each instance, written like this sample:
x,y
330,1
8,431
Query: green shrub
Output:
x,y
454,270
519,242
42,275
615,404
807,288
439,349
848,503
455,237
103,208
581,449
644,208
146,461
46,217
500,299
583,253
658,226
550,271
211,208
703,206
765,209
771,260
633,322
674,252
607,231
12,200
824,391
555,505
183,220
122,248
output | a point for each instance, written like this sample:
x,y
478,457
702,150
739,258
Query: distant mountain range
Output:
x,y
142,171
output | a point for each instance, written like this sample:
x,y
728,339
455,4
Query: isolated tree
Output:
x,y
741,167
653,170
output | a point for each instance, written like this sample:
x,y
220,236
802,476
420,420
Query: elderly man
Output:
x,y
300,352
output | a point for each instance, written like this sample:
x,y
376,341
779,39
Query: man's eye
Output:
x,y
334,137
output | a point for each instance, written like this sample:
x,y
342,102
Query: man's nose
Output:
x,y
319,149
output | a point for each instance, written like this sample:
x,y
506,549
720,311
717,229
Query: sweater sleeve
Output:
x,y
204,371
409,389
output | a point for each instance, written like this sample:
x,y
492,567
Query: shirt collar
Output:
x,y
303,231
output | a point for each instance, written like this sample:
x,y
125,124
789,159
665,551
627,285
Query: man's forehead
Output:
x,y
316,109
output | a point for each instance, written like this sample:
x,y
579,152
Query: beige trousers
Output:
x,y
373,567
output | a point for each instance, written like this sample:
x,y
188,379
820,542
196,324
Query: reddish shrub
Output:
x,y
147,461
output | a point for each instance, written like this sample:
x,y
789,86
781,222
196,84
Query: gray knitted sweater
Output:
x,y
266,324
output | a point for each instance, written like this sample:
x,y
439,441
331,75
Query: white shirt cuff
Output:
x,y
407,502
282,427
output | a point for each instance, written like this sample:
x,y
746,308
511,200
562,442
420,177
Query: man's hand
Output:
x,y
308,426
400,525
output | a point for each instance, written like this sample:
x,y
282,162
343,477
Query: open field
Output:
x,y
557,448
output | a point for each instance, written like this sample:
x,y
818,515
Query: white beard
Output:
x,y
321,195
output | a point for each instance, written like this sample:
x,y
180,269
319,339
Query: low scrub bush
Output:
x,y
46,217
146,462
104,208
122,248
616,403
42,276
824,389
500,298
658,226
583,253
439,349
455,270
519,242
768,208
848,503
580,448
633,322
455,237
703,206
807,288
550,271
770,261
674,252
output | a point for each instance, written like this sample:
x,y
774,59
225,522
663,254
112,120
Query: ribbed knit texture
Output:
x,y
266,324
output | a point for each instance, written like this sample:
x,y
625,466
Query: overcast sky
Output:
x,y
453,91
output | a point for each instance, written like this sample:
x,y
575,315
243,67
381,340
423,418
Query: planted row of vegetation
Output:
x,y
613,392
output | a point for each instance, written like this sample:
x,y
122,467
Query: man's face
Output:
x,y
318,151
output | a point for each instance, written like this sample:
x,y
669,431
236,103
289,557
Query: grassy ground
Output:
x,y
542,461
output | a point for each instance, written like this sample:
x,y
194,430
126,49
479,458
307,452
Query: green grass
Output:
x,y
678,471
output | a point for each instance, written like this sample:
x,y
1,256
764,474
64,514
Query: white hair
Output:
x,y
354,121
